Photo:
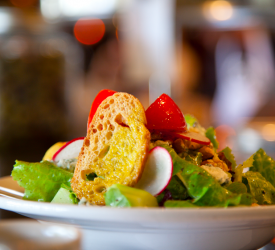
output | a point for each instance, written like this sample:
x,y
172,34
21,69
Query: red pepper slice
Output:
x,y
101,96
164,114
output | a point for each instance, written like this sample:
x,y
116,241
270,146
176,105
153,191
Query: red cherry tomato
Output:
x,y
101,96
164,114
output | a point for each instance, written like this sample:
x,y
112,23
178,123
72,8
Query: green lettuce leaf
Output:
x,y
204,189
237,188
241,188
190,120
192,156
210,133
177,189
261,189
247,199
178,161
265,165
73,196
181,204
41,180
238,175
227,152
201,186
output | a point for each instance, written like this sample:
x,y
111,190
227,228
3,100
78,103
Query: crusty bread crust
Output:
x,y
114,150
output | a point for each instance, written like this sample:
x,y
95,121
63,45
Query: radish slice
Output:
x,y
157,172
194,137
70,150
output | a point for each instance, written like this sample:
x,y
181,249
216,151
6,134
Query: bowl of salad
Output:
x,y
190,194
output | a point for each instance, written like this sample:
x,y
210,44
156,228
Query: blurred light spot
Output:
x,y
249,140
224,135
89,31
5,21
219,10
55,9
268,132
50,8
86,7
23,3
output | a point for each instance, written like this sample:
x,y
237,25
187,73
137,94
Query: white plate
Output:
x,y
155,228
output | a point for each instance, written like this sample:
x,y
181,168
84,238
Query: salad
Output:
x,y
183,168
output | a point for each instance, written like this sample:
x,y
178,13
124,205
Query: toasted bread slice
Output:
x,y
114,150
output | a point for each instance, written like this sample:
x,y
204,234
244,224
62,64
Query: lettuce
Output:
x,y
261,189
177,190
238,175
237,188
265,165
190,120
210,133
201,186
41,180
227,152
73,195
181,204
205,190
192,156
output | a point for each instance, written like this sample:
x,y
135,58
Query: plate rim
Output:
x,y
200,217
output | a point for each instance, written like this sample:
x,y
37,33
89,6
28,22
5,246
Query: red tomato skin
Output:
x,y
101,96
164,114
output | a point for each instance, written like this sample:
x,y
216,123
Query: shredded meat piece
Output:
x,y
192,145
216,162
207,152
179,146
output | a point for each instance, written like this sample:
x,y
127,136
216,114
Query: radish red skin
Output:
x,y
193,137
101,96
65,145
164,114
190,136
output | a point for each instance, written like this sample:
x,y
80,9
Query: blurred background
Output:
x,y
216,59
